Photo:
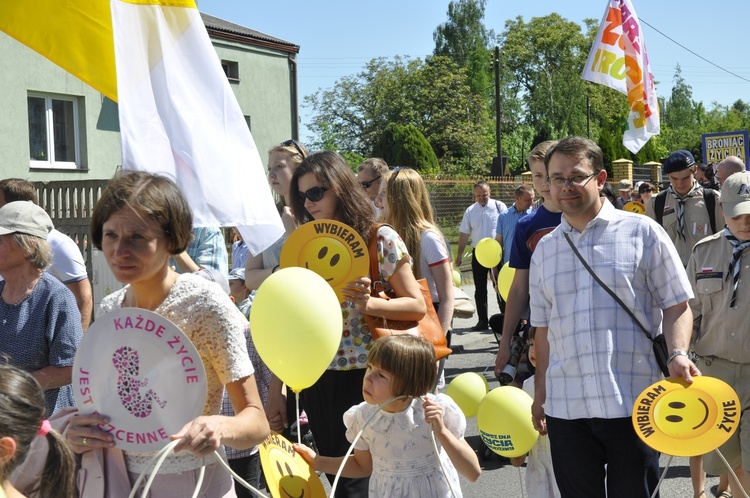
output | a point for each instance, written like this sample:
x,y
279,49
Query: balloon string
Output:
x,y
299,425
437,453
239,479
520,480
731,471
663,475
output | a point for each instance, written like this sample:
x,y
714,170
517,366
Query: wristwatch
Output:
x,y
675,354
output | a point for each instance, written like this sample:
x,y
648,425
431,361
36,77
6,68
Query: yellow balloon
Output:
x,y
296,324
504,279
467,390
488,252
456,278
504,422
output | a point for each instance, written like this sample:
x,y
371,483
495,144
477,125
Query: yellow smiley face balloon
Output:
x,y
333,250
682,419
287,474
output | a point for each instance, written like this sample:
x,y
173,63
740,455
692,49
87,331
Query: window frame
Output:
x,y
52,163
231,70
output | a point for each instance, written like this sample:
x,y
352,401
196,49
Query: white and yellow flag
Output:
x,y
178,114
618,60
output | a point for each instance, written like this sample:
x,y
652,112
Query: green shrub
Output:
x,y
405,145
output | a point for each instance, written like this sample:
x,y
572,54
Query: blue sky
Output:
x,y
338,37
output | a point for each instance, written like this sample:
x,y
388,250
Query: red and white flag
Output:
x,y
618,60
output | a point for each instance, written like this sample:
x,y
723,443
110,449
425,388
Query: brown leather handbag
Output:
x,y
428,327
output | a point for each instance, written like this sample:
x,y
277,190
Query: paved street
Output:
x,y
476,352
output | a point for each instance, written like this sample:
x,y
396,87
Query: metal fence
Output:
x,y
70,203
450,198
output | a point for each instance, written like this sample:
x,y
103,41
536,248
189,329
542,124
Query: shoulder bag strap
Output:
x,y
661,199
372,248
710,200
609,291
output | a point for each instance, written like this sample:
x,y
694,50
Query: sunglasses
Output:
x,y
296,146
395,171
314,194
369,184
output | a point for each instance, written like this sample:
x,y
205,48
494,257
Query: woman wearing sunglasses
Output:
x,y
324,187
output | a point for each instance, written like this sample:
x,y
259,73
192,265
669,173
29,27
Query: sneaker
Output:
x,y
480,326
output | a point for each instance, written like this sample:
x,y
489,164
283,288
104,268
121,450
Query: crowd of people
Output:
x,y
677,267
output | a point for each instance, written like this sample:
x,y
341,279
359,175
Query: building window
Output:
x,y
232,70
53,132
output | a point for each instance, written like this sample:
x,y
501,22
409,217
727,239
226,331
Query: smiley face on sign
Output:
x,y
287,474
634,207
331,249
682,419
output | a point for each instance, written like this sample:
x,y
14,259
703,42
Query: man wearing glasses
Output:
x,y
479,222
369,174
593,361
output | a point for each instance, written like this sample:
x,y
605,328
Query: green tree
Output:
x,y
406,146
546,56
463,33
433,95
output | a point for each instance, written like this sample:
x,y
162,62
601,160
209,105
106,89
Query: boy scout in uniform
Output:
x,y
687,211
719,271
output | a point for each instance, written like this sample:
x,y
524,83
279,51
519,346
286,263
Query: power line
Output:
x,y
695,54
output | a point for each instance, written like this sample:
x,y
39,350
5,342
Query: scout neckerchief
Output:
x,y
681,206
734,264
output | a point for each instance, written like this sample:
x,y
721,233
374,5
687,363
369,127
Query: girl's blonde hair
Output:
x,y
409,211
411,361
294,149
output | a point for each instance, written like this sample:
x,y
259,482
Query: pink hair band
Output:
x,y
44,428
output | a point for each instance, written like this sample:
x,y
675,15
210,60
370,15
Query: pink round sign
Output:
x,y
142,371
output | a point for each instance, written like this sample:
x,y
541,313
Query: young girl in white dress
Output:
x,y
540,476
396,448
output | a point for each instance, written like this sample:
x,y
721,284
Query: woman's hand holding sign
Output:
x,y
83,433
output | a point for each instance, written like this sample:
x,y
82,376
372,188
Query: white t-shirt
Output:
x,y
432,252
67,261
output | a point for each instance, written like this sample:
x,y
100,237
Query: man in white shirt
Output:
x,y
479,222
592,359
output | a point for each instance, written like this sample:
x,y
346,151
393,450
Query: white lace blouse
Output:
x,y
215,326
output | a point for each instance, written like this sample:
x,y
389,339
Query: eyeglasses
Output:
x,y
368,184
296,146
314,194
575,180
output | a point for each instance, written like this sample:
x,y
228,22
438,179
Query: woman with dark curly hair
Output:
x,y
324,187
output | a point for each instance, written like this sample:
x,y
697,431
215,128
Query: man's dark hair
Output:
x,y
580,147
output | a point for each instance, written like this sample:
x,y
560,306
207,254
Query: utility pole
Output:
x,y
588,112
498,112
